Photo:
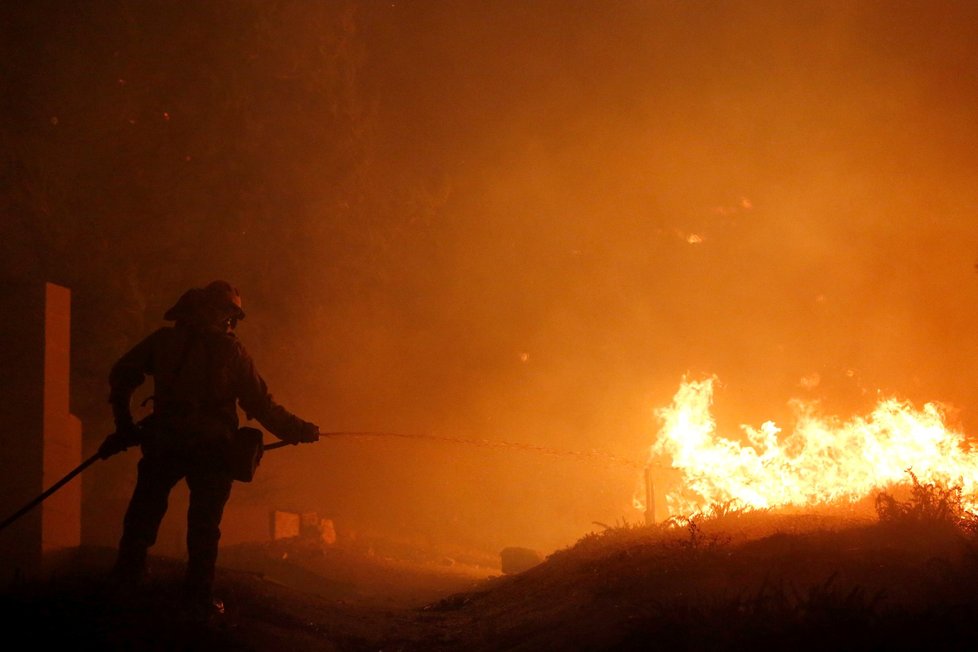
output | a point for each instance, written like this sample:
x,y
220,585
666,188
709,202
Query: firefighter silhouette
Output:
x,y
201,373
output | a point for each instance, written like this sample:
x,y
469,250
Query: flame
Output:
x,y
823,460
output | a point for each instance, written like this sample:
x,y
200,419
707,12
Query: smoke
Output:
x,y
807,148
511,221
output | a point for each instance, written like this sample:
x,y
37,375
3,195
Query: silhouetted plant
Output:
x,y
929,503
698,539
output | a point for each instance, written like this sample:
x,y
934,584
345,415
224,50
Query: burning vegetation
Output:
x,y
824,461
509,224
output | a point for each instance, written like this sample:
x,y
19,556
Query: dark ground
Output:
x,y
734,583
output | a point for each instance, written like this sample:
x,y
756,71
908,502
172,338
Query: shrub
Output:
x,y
930,503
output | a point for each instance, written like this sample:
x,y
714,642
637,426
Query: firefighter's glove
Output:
x,y
123,438
308,433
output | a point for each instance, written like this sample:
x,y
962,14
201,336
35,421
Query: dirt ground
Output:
x,y
729,586
339,600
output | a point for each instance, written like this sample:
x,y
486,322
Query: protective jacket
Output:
x,y
200,378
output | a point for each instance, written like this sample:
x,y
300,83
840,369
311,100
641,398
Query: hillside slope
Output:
x,y
760,582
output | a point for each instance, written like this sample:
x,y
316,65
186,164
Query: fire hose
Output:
x,y
84,465
57,485
259,448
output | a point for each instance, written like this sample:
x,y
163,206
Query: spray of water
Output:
x,y
591,455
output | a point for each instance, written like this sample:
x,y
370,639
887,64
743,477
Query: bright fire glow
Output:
x,y
824,460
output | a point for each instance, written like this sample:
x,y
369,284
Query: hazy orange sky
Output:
x,y
777,193
603,197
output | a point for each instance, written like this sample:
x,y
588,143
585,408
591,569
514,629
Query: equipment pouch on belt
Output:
x,y
244,453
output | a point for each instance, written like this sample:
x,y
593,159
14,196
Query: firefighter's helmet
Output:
x,y
219,294
224,295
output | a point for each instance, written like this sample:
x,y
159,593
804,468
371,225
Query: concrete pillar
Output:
x,y
62,439
40,440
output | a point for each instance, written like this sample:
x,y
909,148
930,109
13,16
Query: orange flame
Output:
x,y
824,460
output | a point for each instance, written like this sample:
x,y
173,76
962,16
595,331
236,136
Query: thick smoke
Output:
x,y
507,221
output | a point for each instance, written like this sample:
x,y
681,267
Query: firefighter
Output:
x,y
201,374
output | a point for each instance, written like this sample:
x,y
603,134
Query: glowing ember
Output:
x,y
824,460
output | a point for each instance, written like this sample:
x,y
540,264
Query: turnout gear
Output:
x,y
201,375
199,379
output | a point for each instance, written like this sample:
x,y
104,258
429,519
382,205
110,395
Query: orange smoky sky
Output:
x,y
777,193
526,222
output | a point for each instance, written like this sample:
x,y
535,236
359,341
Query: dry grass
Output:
x,y
738,579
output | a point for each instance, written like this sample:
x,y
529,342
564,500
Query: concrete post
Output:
x,y
40,439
